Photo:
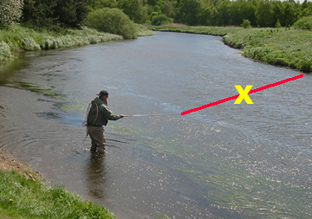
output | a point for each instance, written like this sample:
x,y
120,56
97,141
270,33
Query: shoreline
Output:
x,y
24,194
23,39
283,47
10,163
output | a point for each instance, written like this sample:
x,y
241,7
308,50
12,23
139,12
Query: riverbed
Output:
x,y
227,161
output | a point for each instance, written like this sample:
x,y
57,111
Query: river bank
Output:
x,y
285,47
23,195
26,39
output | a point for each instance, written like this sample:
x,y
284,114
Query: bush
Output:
x,y
246,24
5,52
278,24
10,12
304,23
161,19
112,20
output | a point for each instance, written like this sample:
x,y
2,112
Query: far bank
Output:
x,y
287,47
23,38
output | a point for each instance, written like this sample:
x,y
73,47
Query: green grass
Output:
x,y
22,197
211,30
290,48
26,39
144,30
277,46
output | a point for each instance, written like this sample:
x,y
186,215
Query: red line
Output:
x,y
236,96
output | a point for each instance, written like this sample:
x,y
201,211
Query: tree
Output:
x,y
223,15
189,12
71,13
168,9
38,13
291,13
135,9
65,13
10,12
265,14
98,4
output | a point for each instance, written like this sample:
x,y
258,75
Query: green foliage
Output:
x,y
38,13
211,30
29,44
189,11
265,14
284,47
289,48
161,19
135,9
112,20
5,52
54,14
10,12
304,23
144,30
29,198
98,4
70,13
22,38
246,24
278,24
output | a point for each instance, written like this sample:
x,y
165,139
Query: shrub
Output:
x,y
5,52
10,12
112,20
304,23
278,24
246,24
161,19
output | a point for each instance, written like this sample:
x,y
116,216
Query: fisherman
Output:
x,y
98,115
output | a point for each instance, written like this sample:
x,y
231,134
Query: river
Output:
x,y
227,161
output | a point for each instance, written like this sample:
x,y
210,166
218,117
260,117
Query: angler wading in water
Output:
x,y
97,117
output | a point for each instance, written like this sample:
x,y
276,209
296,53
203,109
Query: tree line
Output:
x,y
72,13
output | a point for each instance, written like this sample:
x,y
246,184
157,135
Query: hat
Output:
x,y
103,93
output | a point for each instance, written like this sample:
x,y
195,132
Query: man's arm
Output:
x,y
110,115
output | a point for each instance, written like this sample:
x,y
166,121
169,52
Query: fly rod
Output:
x,y
163,114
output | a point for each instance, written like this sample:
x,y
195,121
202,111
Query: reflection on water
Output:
x,y
228,161
96,176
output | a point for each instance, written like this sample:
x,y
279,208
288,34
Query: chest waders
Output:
x,y
88,115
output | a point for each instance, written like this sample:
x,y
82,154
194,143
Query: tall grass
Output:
x,y
23,38
211,30
22,197
283,47
277,46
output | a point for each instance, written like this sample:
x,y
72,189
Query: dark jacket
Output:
x,y
99,113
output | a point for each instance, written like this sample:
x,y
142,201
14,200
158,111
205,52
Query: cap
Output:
x,y
103,93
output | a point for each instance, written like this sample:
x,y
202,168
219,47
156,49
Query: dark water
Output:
x,y
227,161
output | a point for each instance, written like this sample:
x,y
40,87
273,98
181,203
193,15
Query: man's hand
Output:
x,y
122,115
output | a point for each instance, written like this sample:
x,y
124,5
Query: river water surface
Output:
x,y
227,161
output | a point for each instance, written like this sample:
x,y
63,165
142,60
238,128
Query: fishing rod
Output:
x,y
163,114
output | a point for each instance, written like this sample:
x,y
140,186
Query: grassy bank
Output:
x,y
283,47
26,39
217,31
277,46
23,195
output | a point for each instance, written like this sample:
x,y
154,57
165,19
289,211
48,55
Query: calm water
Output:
x,y
227,161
